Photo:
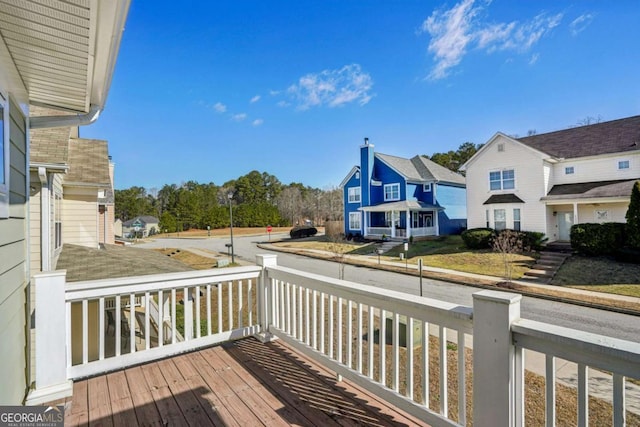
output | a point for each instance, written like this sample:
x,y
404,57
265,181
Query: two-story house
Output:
x,y
549,182
394,197
57,55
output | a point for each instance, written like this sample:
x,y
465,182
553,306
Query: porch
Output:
x,y
401,220
414,354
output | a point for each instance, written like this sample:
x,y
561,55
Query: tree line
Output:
x,y
257,199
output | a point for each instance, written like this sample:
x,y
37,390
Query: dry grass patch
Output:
x,y
198,262
485,262
599,274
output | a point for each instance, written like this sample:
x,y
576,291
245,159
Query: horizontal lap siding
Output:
x,y
80,220
13,278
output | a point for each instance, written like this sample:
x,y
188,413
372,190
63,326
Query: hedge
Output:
x,y
478,238
597,239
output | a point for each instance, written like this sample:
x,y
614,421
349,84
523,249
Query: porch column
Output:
x,y
409,223
365,223
393,224
575,213
265,298
53,343
435,222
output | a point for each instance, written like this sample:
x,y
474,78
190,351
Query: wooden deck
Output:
x,y
244,383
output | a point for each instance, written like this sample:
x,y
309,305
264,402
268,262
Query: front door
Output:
x,y
565,221
427,220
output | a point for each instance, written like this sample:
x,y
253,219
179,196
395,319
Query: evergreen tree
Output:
x,y
633,218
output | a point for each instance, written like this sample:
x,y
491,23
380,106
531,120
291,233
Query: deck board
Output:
x,y
239,384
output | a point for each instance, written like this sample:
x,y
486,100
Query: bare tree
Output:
x,y
508,243
339,251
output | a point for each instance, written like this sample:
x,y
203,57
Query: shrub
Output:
x,y
597,239
633,218
533,240
478,238
302,231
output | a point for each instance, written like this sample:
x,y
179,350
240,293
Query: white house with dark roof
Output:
x,y
549,182
398,198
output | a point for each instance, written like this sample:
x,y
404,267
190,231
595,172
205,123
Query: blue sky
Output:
x,y
210,90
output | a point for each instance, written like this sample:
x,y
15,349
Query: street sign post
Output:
x,y
269,228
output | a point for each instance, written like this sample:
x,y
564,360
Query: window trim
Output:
x,y
426,188
57,220
495,222
4,158
627,162
355,215
351,197
519,220
567,168
384,192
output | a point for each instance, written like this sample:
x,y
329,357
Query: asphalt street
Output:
x,y
603,322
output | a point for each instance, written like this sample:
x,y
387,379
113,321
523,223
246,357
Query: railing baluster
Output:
x,y
230,305
288,308
240,307
395,379
550,390
619,414
583,395
462,381
444,404
132,323
339,331
101,315
370,338
250,301
208,308
300,328
322,322
160,318
219,287
314,319
350,334
147,321
307,319
358,338
283,307
197,326
173,316
85,331
293,290
409,369
118,325
382,341
425,364
330,324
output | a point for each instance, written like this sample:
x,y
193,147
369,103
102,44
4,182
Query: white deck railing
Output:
x,y
400,347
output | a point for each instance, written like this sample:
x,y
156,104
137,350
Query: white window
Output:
x,y
502,180
4,158
499,219
391,192
516,219
354,195
426,188
623,164
354,220
569,170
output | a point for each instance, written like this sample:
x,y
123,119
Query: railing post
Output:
x,y
494,381
265,297
51,339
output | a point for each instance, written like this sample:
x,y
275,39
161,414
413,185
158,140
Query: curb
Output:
x,y
453,279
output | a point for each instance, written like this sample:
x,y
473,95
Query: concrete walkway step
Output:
x,y
540,273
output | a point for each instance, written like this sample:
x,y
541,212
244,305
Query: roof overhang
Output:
x,y
404,205
349,175
50,167
62,53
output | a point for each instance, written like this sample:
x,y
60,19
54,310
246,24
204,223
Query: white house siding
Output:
x,y
56,188
13,269
597,169
529,185
80,217
35,209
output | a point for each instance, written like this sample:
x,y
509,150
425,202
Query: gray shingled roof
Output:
x,y
615,136
421,169
88,162
146,219
49,145
503,198
585,190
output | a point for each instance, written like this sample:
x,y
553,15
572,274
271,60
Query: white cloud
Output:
x,y
534,58
283,104
274,92
580,23
238,117
255,99
453,32
332,88
257,122
220,107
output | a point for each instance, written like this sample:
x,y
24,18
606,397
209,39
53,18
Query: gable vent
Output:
x,y
500,148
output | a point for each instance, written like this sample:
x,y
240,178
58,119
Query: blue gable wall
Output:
x,y
351,207
382,172
416,192
454,217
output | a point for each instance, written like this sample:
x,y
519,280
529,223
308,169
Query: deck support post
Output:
x,y
52,341
265,300
495,391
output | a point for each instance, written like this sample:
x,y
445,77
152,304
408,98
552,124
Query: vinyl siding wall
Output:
x,y
597,169
35,229
80,217
13,269
529,184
